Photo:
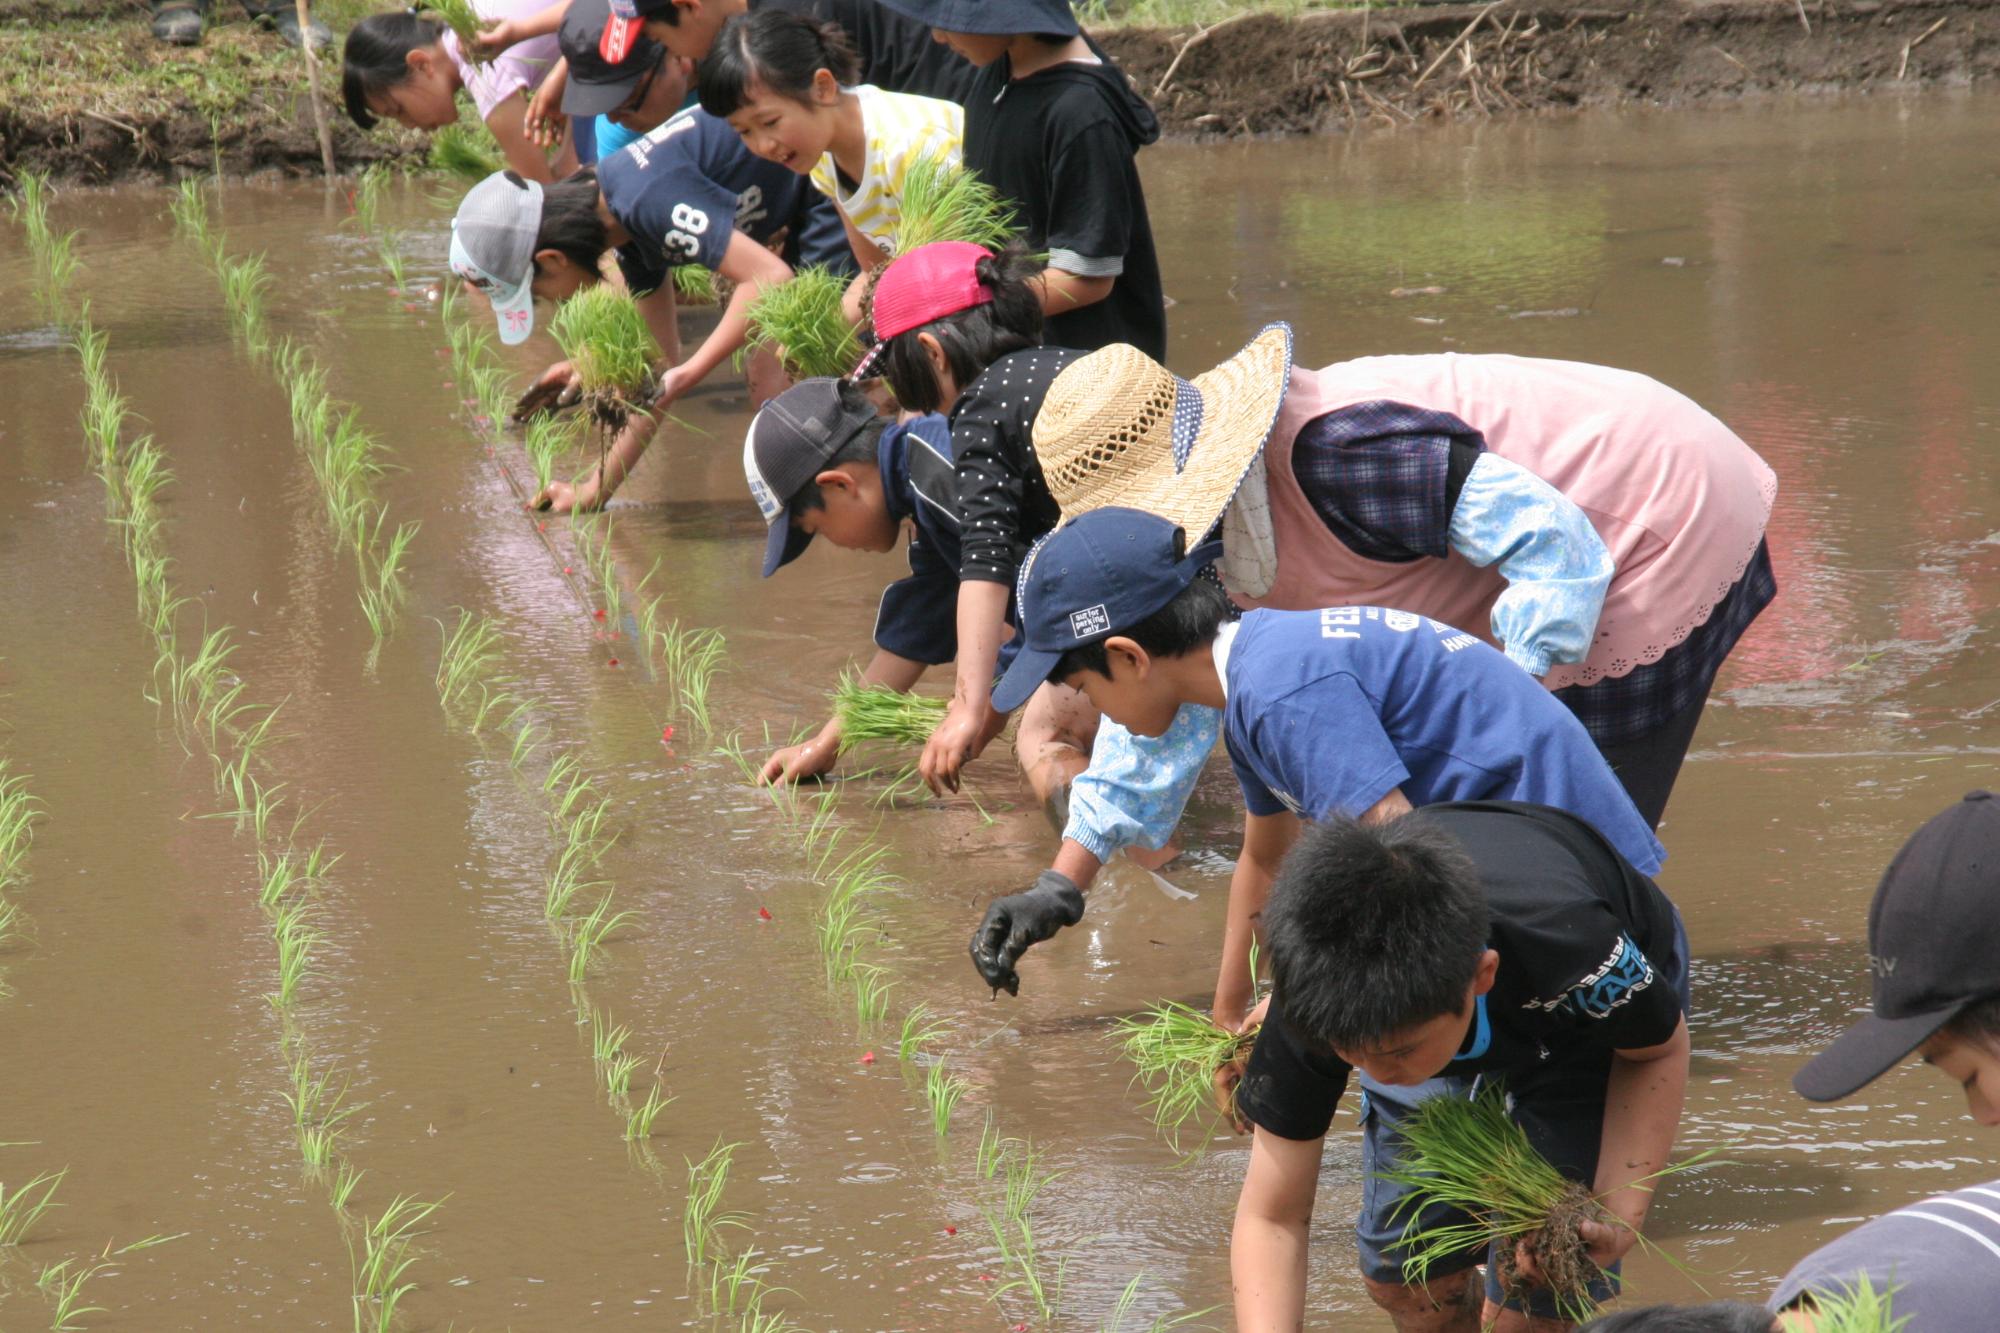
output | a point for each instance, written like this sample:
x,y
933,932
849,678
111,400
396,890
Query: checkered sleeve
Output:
x,y
1383,476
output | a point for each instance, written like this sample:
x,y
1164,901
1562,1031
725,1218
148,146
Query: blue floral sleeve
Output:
x,y
1556,566
1136,786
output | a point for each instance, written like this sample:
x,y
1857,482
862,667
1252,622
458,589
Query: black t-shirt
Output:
x,y
897,53
1590,962
684,188
1060,144
1003,502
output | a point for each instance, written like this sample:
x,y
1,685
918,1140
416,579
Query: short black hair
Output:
x,y
1716,1317
1978,1022
376,58
972,339
776,48
1190,621
666,11
570,223
1373,928
863,448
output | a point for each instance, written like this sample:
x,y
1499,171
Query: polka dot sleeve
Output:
x,y
1003,503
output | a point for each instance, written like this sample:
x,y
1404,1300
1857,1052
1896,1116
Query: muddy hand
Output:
x,y
555,387
1019,920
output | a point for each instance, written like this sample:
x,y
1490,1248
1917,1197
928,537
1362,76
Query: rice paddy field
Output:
x,y
390,937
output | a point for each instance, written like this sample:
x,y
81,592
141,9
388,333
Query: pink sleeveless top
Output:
x,y
1679,500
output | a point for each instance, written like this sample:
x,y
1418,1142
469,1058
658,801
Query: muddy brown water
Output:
x,y
1821,276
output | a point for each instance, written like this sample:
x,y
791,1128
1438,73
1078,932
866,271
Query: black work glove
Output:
x,y
1019,920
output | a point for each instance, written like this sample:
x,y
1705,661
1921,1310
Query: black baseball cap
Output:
x,y
598,84
1933,947
788,445
1102,572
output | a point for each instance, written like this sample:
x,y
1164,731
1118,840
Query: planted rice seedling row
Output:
x,y
346,459
19,813
206,700
54,253
473,690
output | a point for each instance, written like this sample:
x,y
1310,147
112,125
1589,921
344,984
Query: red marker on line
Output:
x,y
763,914
868,1058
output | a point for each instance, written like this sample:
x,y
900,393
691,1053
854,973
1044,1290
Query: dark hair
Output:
x,y
861,449
570,222
1718,1317
1188,622
972,339
775,48
666,11
1373,928
1978,1022
377,57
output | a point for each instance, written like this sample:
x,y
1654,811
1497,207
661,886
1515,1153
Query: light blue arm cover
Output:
x,y
1556,566
1137,786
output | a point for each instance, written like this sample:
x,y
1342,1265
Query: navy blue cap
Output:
x,y
1097,575
789,443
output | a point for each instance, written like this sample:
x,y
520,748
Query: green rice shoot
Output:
x,y
872,713
1857,1309
466,151
943,201
1175,1052
803,321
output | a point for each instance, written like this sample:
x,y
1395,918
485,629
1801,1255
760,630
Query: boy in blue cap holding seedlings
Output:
x,y
1355,710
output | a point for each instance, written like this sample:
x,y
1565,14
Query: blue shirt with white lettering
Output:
x,y
1327,711
682,190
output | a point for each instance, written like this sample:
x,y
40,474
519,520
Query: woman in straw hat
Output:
x,y
1601,529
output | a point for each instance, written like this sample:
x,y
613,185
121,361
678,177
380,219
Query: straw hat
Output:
x,y
1117,428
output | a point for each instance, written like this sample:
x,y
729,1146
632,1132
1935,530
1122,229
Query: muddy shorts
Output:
x,y
1562,1109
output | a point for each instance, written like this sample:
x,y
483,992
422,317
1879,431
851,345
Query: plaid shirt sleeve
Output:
x,y
1382,476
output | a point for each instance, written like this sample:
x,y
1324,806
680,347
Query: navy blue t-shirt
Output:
x,y
1328,710
918,618
683,188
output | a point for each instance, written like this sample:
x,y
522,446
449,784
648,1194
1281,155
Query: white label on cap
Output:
x,y
1091,620
767,503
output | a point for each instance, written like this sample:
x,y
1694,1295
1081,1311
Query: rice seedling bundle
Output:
x,y
607,342
1470,1155
945,202
1858,1309
466,151
872,713
801,319
1176,1051
462,19
694,285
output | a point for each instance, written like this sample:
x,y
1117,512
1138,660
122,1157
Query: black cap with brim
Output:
x,y
597,99
598,83
1865,1052
785,544
1933,947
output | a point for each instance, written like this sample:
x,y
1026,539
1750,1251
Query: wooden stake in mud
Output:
x,y
312,88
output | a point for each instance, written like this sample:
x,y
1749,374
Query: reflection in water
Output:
x,y
1820,277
